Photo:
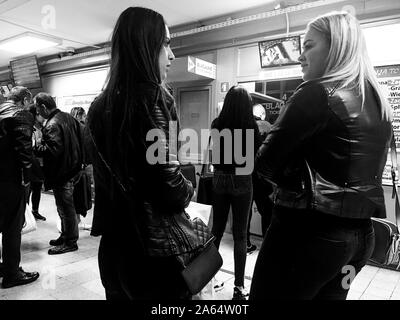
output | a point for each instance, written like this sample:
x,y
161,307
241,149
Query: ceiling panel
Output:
x,y
81,23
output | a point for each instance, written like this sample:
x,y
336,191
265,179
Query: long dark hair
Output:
x,y
133,85
237,111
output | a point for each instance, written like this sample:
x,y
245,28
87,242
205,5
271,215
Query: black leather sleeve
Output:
x,y
171,189
304,114
21,126
52,142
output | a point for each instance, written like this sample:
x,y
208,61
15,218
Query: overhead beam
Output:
x,y
7,5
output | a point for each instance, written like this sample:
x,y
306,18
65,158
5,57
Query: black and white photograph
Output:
x,y
199,158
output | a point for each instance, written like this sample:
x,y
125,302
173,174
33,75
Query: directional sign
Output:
x,y
191,64
202,67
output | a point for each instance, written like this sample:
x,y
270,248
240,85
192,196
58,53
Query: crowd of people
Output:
x,y
315,174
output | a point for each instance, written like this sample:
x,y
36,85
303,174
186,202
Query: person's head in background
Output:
x,y
79,114
237,111
45,104
259,112
39,120
21,96
334,50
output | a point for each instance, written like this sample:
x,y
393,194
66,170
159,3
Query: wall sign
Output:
x,y
389,79
224,86
67,103
202,67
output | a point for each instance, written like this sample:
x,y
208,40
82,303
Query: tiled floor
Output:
x,y
75,275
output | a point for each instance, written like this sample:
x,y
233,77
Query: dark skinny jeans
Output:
x,y
309,255
35,195
236,191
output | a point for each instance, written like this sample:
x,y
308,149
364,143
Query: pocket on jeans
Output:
x,y
242,184
330,242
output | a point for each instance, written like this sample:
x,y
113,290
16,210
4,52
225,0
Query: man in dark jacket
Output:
x,y
16,125
61,149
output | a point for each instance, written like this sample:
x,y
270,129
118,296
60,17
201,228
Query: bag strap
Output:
x,y
394,168
206,156
122,187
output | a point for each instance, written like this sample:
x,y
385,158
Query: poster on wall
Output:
x,y
68,102
389,79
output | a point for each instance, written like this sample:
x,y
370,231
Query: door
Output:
x,y
194,113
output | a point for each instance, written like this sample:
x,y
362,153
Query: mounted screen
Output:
x,y
279,52
25,72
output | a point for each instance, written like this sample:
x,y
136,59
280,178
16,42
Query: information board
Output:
x,y
389,80
68,102
25,72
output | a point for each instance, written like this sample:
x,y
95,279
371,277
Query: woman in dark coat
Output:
x,y
136,196
325,155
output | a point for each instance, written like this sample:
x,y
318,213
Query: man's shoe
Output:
x,y
240,293
56,242
251,248
38,216
20,279
64,248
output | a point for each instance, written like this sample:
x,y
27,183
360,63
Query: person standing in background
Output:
x,y
62,152
37,177
16,125
79,114
87,176
231,189
325,154
261,188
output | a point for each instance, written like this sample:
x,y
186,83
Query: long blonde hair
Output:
x,y
348,60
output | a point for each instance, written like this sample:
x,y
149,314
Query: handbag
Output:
x,y
30,222
201,259
202,268
202,265
387,238
83,194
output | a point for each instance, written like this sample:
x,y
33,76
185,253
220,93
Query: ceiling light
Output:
x,y
28,42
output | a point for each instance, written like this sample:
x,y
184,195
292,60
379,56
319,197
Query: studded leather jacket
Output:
x,y
16,126
327,152
154,192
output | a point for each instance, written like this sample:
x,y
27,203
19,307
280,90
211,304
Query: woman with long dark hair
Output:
x,y
135,198
235,134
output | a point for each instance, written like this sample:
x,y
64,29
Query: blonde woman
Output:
x,y
325,155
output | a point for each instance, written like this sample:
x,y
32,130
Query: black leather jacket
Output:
x,y
61,149
157,191
327,153
16,127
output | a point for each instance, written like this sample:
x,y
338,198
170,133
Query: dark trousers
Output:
x,y
35,194
127,274
66,210
12,218
236,191
310,255
261,192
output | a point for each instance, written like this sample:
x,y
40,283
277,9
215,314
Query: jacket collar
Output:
x,y
330,87
52,114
